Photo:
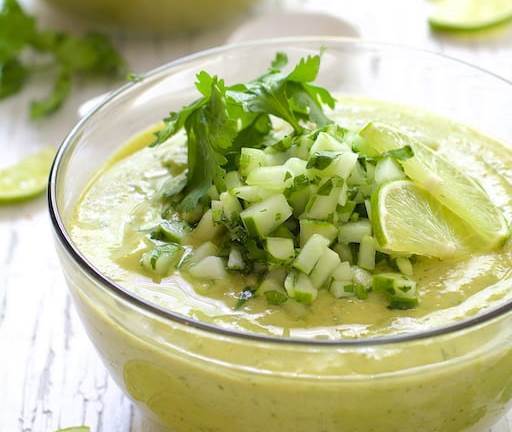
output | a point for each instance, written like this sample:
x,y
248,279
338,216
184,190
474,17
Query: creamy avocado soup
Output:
x,y
370,220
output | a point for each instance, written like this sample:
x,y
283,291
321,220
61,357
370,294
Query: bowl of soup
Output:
x,y
337,325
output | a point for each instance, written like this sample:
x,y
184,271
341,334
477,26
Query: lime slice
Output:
x,y
460,193
407,219
27,178
469,15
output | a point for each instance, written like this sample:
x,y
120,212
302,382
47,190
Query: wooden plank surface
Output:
x,y
50,375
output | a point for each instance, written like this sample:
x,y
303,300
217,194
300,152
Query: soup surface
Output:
x,y
106,226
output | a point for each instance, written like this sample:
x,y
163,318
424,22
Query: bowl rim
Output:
x,y
136,300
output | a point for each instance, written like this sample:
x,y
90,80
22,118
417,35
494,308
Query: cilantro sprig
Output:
x,y
225,118
91,55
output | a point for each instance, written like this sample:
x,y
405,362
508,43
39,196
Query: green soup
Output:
x,y
448,385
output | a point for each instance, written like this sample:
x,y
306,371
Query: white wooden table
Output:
x,y
50,375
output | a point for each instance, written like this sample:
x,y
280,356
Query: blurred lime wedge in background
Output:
x,y
407,219
27,178
460,193
469,15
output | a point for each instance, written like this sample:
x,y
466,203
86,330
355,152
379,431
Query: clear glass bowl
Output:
x,y
161,16
190,376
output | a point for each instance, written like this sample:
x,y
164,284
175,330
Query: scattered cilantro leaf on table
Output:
x,y
88,56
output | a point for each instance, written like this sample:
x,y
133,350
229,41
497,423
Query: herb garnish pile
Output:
x,y
309,205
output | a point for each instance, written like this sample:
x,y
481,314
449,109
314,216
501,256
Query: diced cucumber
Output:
x,y
264,217
345,252
311,253
367,250
343,272
280,249
162,259
342,288
211,267
362,277
323,163
345,164
299,199
388,170
272,287
250,159
308,227
400,290
251,193
324,268
206,249
235,260
353,232
270,178
299,287
322,206
296,166
357,176
345,212
326,142
343,196
232,180
231,207
283,231
370,171
206,229
404,265
368,207
171,231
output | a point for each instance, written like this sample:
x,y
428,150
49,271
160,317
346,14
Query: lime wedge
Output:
x,y
469,15
407,219
27,178
460,193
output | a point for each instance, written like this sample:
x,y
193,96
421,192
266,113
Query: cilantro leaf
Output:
x,y
90,55
402,153
55,99
12,77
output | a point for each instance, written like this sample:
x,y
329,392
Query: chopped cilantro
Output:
x,y
247,294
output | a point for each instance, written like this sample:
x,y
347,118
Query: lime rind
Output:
x,y
27,178
470,15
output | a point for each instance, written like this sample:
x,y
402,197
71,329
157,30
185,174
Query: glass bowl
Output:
x,y
191,376
160,16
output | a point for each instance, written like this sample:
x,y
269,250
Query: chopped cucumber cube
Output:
x,y
344,251
232,180
235,260
264,217
251,193
404,265
171,231
299,287
296,166
206,229
345,164
342,288
231,207
299,199
362,277
162,259
326,142
280,249
388,170
400,290
211,267
311,253
357,176
308,227
353,232
367,250
343,272
250,159
270,178
273,289
324,268
322,206
206,249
